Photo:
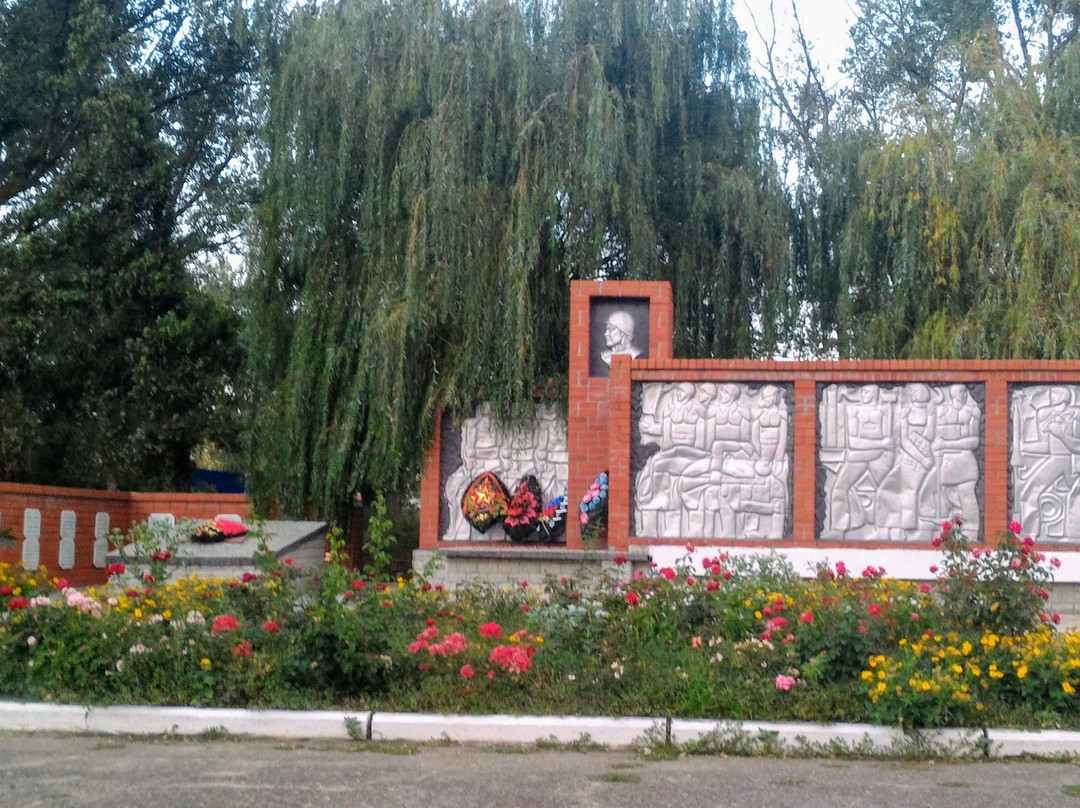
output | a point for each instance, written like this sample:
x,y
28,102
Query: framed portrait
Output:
x,y
617,325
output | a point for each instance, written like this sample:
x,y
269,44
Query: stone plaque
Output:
x,y
894,461
67,525
31,549
157,520
713,461
540,451
66,556
1044,460
101,538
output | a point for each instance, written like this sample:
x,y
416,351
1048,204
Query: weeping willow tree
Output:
x,y
966,240
437,174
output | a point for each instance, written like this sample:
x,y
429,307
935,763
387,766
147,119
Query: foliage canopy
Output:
x,y
436,176
120,128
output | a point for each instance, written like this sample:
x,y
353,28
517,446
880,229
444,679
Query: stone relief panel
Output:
x,y
896,460
1044,460
713,461
481,446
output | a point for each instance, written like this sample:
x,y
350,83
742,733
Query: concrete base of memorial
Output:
x,y
509,565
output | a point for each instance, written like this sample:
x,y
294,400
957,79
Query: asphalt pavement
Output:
x,y
54,770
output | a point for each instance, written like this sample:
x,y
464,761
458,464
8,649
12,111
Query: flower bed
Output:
x,y
744,639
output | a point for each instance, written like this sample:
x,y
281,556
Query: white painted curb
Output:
x,y
140,720
419,727
1044,743
880,738
194,720
31,717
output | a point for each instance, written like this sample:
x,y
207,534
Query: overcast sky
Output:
x,y
825,23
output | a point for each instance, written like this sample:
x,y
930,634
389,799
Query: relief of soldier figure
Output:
x,y
1045,460
719,465
897,459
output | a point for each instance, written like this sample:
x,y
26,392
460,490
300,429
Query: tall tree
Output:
x,y
958,181
437,173
120,133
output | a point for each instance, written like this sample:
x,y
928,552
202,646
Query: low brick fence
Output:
x,y
66,529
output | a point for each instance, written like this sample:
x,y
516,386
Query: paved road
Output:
x,y
56,771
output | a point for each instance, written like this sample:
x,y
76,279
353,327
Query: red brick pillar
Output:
x,y
619,457
589,416
804,518
996,458
431,491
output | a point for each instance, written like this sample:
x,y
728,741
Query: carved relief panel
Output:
x,y
479,446
896,460
712,460
1044,460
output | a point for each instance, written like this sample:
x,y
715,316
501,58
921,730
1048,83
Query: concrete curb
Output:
x,y
515,729
868,738
139,720
419,727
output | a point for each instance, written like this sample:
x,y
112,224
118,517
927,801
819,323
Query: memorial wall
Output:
x,y
860,454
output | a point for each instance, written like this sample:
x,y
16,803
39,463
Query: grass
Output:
x,y
615,777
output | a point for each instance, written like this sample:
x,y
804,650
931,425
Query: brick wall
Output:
x,y
121,508
996,376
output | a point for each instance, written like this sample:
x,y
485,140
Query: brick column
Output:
x,y
619,457
431,491
804,518
589,416
995,458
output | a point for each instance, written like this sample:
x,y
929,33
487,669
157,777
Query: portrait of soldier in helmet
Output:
x,y
618,326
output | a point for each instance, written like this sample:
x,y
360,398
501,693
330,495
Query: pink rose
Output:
x,y
784,682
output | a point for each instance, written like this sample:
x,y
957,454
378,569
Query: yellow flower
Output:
x,y
167,614
138,613
867,676
881,687
1068,688
204,662
1021,672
